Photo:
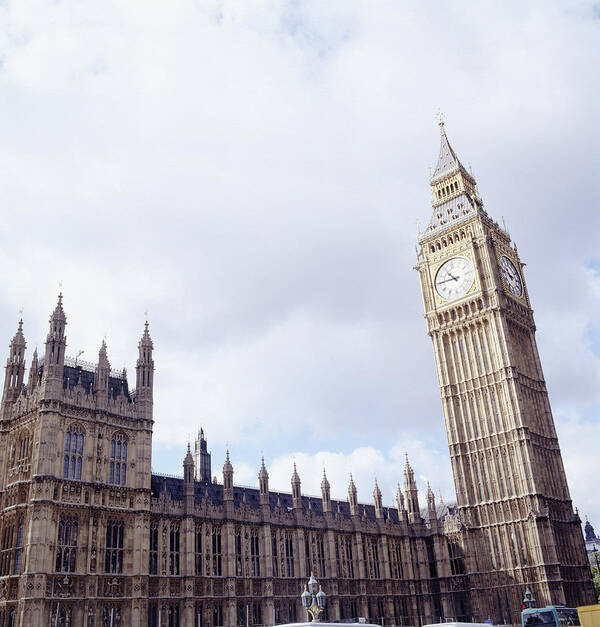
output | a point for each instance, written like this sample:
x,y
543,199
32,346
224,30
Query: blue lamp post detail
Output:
x,y
314,600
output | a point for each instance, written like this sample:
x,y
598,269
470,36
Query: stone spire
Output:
x,y
326,493
296,492
202,458
412,495
101,376
33,374
431,503
188,480
263,483
54,358
352,497
454,191
400,501
377,500
144,376
15,368
227,479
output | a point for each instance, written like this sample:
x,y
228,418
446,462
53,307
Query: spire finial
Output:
x,y
440,118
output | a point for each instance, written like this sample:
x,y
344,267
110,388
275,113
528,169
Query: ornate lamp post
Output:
x,y
314,599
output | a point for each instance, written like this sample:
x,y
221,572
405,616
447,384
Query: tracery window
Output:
x,y
153,555
217,570
457,565
113,558
73,452
6,548
373,558
275,558
118,459
349,557
20,453
19,546
238,552
321,556
61,616
396,559
254,554
111,616
66,545
289,555
174,549
198,549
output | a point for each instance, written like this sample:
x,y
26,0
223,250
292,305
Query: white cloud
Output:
x,y
252,173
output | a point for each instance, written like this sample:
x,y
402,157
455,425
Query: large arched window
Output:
x,y
118,459
113,559
73,452
66,546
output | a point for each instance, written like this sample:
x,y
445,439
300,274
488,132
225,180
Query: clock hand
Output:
x,y
448,280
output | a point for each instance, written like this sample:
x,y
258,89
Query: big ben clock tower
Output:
x,y
518,523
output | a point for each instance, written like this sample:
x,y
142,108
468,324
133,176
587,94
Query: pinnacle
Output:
x,y
58,314
295,477
263,469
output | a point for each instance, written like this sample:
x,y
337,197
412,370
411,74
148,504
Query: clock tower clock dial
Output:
x,y
512,494
454,278
511,276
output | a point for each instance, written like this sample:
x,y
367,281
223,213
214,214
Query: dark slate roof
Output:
x,y
85,376
214,491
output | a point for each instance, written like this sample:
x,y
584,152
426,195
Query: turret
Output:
x,y
296,492
54,358
326,493
32,383
227,479
15,368
378,501
263,484
101,377
431,503
188,480
352,497
412,495
400,501
202,458
145,376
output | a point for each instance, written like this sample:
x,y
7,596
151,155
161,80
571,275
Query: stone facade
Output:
x,y
89,536
513,500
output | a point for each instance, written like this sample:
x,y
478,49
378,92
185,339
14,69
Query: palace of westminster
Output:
x,y
89,536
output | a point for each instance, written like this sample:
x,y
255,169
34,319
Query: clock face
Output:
x,y
511,276
454,278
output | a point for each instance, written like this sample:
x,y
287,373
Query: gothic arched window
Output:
x,y
113,559
118,459
73,452
66,546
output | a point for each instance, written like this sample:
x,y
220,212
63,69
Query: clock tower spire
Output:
x,y
511,488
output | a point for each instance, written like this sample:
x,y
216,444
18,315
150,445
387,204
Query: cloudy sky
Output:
x,y
252,173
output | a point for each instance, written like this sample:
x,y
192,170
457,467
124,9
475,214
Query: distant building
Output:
x,y
592,542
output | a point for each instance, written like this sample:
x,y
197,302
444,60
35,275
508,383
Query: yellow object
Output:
x,y
589,615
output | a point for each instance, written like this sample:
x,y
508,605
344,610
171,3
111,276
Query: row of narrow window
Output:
x,y
208,559
67,545
449,189
73,456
